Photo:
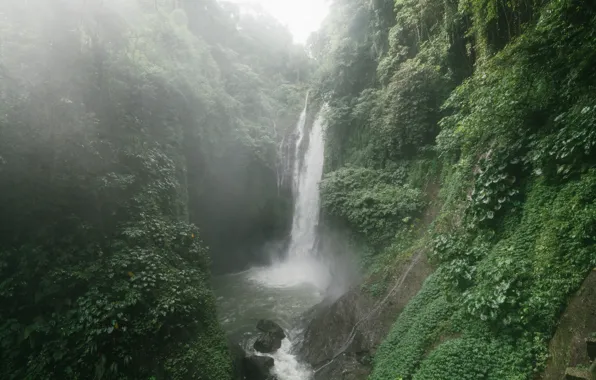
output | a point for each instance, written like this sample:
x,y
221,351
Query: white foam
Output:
x,y
302,269
292,272
287,366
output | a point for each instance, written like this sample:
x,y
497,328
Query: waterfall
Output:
x,y
288,152
307,175
301,271
300,130
302,264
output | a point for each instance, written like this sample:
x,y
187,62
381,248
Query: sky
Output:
x,y
302,17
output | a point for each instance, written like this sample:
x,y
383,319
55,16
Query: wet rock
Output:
x,y
270,327
267,343
577,374
271,336
238,355
591,348
347,366
341,334
567,348
258,368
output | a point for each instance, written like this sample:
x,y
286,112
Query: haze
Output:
x,y
302,17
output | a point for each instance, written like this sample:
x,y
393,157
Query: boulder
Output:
x,y
270,327
567,348
267,343
271,336
258,367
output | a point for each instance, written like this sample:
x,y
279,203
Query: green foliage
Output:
x,y
509,85
503,298
495,22
424,171
495,186
140,299
571,149
459,255
421,322
118,133
371,202
526,237
207,352
410,107
488,359
390,111
529,273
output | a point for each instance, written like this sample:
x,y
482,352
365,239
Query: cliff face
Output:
x,y
568,346
495,102
343,335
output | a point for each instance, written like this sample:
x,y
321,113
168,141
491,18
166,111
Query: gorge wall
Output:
x,y
491,103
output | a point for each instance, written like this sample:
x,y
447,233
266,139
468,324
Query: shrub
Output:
x,y
370,201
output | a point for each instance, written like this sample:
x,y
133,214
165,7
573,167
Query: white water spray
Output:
x,y
306,211
287,366
302,264
300,130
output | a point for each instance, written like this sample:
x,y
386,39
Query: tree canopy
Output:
x,y
124,126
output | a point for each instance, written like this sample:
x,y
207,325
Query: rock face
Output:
x,y
238,360
270,327
570,346
591,347
347,366
577,374
271,336
258,368
342,335
267,343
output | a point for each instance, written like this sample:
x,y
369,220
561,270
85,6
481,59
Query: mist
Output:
x,y
139,155
202,190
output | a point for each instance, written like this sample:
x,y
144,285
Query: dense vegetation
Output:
x,y
123,125
493,102
139,143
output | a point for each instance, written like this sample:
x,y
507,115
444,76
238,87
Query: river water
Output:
x,y
281,292
292,284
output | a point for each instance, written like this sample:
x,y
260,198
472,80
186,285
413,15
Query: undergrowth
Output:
x,y
516,235
497,328
494,100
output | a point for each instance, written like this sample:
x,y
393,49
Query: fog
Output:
x,y
140,152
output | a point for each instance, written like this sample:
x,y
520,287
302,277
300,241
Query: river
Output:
x,y
281,292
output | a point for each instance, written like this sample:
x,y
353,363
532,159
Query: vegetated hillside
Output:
x,y
121,123
495,101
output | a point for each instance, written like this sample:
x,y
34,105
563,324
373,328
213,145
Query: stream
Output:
x,y
282,293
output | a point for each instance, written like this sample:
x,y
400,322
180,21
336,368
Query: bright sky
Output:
x,y
302,17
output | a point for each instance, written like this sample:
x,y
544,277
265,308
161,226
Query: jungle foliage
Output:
x,y
501,93
373,203
121,122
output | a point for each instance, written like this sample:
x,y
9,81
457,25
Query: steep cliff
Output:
x,y
495,103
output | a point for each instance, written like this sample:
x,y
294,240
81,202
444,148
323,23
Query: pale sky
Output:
x,y
302,17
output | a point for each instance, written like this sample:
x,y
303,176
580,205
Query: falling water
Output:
x,y
292,284
306,211
302,264
300,130
288,167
